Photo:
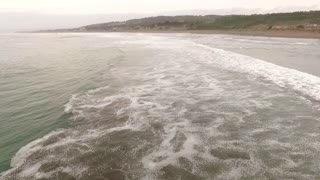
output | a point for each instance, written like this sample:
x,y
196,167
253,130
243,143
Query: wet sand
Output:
x,y
285,34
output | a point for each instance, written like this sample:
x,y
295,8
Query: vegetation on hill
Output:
x,y
268,20
306,21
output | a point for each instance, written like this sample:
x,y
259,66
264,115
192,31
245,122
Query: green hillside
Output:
x,y
299,21
280,19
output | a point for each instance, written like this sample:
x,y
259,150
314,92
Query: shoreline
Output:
x,y
277,34
284,34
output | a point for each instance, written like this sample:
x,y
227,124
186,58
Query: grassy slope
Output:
x,y
241,22
295,21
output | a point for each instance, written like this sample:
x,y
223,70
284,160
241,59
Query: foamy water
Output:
x,y
170,107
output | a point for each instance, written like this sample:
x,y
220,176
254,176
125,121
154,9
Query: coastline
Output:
x,y
279,34
303,24
261,33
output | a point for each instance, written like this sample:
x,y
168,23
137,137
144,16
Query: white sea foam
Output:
x,y
303,83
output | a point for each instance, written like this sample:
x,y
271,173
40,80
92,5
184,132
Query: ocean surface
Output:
x,y
158,106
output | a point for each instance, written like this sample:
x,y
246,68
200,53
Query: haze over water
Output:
x,y
158,106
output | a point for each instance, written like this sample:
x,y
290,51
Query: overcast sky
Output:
x,y
66,13
138,6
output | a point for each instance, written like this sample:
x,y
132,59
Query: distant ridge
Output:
x,y
295,21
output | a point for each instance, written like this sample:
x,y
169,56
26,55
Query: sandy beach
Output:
x,y
284,34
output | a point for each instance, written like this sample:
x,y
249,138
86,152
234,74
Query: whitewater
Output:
x,y
176,107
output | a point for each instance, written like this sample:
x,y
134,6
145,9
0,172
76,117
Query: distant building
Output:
x,y
313,25
281,27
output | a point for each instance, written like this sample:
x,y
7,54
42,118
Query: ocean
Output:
x,y
158,106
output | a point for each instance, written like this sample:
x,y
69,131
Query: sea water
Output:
x,y
158,106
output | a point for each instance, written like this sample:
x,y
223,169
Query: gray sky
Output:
x,y
22,15
138,6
